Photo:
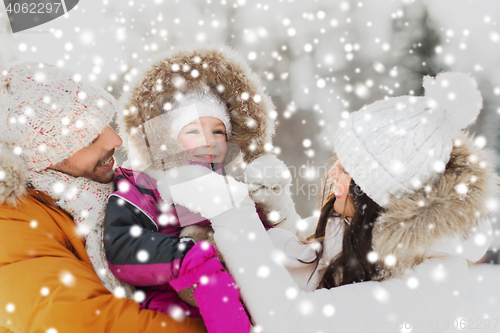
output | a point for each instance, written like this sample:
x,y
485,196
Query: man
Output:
x,y
56,168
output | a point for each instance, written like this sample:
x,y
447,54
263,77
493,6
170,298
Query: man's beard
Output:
x,y
93,173
99,175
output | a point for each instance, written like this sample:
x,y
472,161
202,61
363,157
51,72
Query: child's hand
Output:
x,y
187,296
199,233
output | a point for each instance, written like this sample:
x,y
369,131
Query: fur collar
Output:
x,y
13,178
413,223
181,70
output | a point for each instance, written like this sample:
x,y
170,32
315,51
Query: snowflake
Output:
x,y
480,239
119,292
439,273
139,296
381,294
328,310
67,278
390,260
263,272
45,291
306,307
142,255
292,293
10,307
412,282
135,231
372,256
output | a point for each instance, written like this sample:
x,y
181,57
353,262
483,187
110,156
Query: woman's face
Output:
x,y
344,204
205,140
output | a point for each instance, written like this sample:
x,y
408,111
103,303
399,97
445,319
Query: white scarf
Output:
x,y
85,200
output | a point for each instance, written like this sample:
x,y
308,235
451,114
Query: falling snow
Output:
x,y
319,61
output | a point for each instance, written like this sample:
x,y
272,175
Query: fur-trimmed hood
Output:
x,y
179,71
442,217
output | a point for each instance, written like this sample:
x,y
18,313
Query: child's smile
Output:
x,y
205,140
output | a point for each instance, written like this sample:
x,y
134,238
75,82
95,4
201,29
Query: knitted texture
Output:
x,y
396,146
269,182
194,105
48,114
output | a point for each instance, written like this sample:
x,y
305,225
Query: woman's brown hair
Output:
x,y
351,265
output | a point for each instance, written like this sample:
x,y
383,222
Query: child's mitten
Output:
x,y
215,293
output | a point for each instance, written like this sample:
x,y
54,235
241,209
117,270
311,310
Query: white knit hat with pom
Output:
x,y
47,114
396,146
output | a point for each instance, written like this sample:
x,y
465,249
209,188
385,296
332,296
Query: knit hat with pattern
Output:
x,y
396,146
47,114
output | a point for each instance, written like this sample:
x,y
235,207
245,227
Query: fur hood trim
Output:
x,y
184,69
13,177
450,207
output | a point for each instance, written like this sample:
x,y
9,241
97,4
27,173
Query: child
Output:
x,y
174,118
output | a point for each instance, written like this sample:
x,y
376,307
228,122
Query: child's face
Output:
x,y
205,140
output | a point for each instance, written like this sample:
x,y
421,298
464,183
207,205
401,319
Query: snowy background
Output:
x,y
318,59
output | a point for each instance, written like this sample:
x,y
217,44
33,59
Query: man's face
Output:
x,y
95,161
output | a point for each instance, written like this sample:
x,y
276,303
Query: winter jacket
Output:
x,y
430,234
46,278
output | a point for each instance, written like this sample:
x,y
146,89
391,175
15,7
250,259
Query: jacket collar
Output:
x,y
448,209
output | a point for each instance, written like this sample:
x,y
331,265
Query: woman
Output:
x,y
389,252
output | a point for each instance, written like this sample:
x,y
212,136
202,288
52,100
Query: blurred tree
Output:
x,y
416,37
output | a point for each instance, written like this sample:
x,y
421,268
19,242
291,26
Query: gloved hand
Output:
x,y
214,290
267,171
269,182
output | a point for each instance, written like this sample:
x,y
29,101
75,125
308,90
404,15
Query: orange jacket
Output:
x,y
39,248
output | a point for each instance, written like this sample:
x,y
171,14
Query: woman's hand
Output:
x,y
269,181
267,171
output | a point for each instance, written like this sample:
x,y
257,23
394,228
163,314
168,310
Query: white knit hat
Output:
x,y
47,114
395,146
194,105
